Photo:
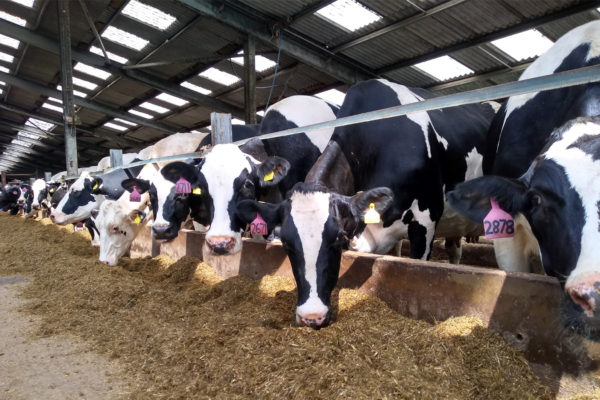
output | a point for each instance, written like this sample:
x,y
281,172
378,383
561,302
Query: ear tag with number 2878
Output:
x,y
498,223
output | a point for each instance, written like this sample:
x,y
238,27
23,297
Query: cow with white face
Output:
x,y
559,199
259,169
400,167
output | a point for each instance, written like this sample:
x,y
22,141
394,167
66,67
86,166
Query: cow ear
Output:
x,y
142,185
175,170
96,186
377,199
472,198
246,211
94,213
137,216
272,171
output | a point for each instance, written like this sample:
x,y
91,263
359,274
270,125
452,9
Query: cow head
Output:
x,y
40,192
117,226
10,195
225,177
78,202
315,226
560,197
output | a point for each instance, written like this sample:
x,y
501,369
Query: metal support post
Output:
x,y
47,176
116,157
220,128
250,80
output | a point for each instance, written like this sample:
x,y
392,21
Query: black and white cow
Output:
x,y
559,197
256,170
8,198
402,166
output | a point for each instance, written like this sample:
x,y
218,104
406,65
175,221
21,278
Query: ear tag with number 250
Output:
x,y
498,223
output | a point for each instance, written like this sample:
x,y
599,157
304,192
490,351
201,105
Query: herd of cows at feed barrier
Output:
x,y
367,186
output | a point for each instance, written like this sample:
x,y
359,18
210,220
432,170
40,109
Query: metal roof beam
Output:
x,y
25,35
45,91
309,55
472,42
478,78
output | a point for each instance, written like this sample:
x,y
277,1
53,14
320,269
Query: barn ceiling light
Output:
x,y
172,99
140,114
12,18
524,45
123,38
6,57
148,15
21,143
55,100
52,107
75,92
26,3
154,107
38,123
4,69
122,121
196,88
112,56
332,96
444,68
84,84
115,127
348,15
9,42
219,76
261,63
86,69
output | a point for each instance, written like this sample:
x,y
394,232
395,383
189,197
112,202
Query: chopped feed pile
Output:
x,y
182,332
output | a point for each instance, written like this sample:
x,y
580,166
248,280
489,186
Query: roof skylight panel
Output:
x,y
86,69
112,56
123,121
4,69
140,114
123,38
21,143
237,121
115,127
12,18
84,84
52,107
6,57
154,107
75,92
348,14
196,88
260,63
148,15
524,45
26,3
38,123
177,101
444,68
54,99
28,135
216,75
332,96
9,42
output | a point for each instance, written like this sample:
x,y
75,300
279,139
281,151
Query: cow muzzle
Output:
x,y
584,290
315,321
220,245
164,232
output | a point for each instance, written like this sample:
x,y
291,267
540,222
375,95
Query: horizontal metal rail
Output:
x,y
559,80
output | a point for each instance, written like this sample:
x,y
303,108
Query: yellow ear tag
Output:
x,y
137,219
95,186
269,176
197,191
372,216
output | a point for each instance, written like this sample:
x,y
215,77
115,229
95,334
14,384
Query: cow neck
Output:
x,y
332,170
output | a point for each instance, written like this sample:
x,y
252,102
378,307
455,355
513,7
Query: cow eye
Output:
x,y
115,228
248,184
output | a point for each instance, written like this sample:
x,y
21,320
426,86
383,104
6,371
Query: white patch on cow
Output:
x,y
514,253
421,118
474,165
309,213
377,239
178,143
163,189
584,175
37,186
307,110
548,62
221,167
82,212
424,219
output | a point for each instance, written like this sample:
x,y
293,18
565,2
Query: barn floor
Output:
x,y
176,330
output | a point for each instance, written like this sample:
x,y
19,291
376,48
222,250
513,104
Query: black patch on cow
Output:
x,y
78,198
408,217
589,144
418,239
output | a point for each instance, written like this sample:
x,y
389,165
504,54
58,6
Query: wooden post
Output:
x,y
116,157
220,128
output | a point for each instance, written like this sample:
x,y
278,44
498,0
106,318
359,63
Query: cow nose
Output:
x,y
315,321
52,217
220,244
585,291
163,232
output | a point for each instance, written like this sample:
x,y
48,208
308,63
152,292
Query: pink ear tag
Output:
x,y
498,223
258,226
182,186
135,195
